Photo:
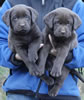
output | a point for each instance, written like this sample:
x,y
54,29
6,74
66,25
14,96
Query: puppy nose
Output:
x,y
22,24
63,31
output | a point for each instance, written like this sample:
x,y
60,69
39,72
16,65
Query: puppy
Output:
x,y
60,26
24,35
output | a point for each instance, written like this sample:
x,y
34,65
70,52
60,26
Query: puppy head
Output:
x,y
20,18
62,21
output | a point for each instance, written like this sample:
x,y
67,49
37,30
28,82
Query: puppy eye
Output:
x,y
15,18
27,17
56,23
68,24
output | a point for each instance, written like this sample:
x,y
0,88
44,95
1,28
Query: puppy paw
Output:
x,y
35,71
55,73
41,72
52,93
32,57
41,69
49,81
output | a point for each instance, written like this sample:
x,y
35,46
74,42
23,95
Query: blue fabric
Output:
x,y
21,79
11,96
78,53
20,97
5,52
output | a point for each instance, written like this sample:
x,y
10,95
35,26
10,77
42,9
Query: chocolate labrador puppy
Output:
x,y
24,35
59,35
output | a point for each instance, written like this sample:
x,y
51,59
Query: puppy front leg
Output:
x,y
43,54
32,67
33,56
59,61
23,54
33,49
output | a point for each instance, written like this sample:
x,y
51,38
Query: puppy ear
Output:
x,y
77,21
48,19
6,17
33,13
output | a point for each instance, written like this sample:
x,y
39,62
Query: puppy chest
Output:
x,y
60,42
26,40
